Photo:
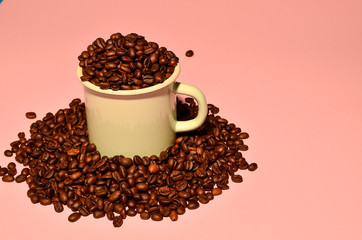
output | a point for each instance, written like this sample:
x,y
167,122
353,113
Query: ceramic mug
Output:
x,y
138,122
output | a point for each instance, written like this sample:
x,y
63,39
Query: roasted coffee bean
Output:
x,y
142,187
181,185
117,221
174,216
145,216
203,199
98,214
237,178
189,53
216,191
12,171
3,171
131,212
76,175
74,217
114,196
63,196
8,178
8,153
20,178
156,216
252,167
193,205
11,165
58,207
30,115
154,168
34,199
45,201
126,162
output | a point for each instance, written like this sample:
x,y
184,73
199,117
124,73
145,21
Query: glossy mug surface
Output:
x,y
138,122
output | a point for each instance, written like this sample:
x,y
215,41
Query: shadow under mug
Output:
x,y
138,122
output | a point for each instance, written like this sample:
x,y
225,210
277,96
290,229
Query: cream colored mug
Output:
x,y
138,122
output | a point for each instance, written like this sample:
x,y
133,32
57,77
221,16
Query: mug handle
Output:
x,y
189,125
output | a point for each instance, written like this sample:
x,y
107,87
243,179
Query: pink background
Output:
x,y
287,72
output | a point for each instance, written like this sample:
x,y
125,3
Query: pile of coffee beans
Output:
x,y
62,168
126,62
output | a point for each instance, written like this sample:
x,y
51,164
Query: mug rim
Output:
x,y
153,88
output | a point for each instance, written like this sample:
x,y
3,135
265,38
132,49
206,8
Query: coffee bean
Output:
x,y
11,165
3,171
74,217
143,187
8,153
193,205
63,196
30,115
145,216
131,212
153,168
20,178
58,207
126,162
117,221
157,217
203,199
8,178
34,199
237,178
174,216
45,201
216,191
252,167
189,53
98,214
12,171
244,135
181,185
114,196
76,175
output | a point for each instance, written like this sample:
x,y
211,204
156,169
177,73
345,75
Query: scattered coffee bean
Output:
x,y
145,216
20,178
8,153
189,53
117,222
11,165
98,214
30,115
156,217
74,217
237,178
193,205
58,207
8,178
252,167
173,216
216,191
3,171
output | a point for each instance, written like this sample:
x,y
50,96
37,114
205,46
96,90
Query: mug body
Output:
x,y
130,125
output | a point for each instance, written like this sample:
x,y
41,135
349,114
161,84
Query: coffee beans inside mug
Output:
x,y
126,62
